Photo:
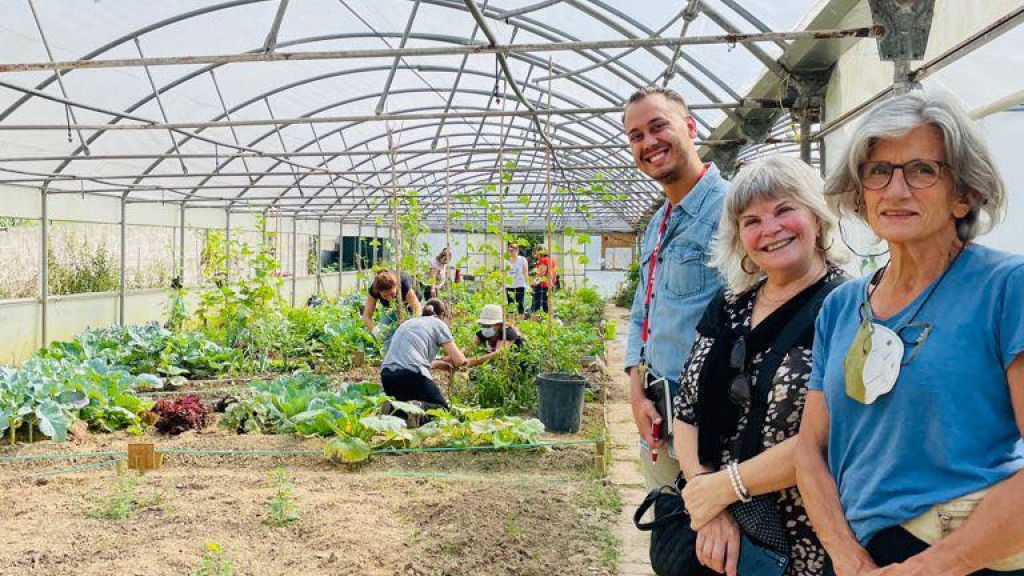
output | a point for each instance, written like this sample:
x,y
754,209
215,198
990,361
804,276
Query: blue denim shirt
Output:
x,y
684,283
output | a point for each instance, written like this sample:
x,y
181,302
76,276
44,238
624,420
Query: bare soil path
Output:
x,y
624,472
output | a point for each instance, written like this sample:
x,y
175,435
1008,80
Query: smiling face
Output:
x,y
660,134
903,215
780,234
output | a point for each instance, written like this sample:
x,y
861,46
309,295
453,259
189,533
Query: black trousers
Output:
x,y
540,299
406,385
895,544
517,295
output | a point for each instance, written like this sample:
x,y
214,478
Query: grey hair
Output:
x,y
669,94
974,172
773,177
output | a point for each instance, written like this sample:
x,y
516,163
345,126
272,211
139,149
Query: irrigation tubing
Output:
x,y
231,452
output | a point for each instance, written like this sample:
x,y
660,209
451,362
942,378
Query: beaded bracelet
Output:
x,y
737,482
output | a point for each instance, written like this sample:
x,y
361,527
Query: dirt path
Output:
x,y
625,471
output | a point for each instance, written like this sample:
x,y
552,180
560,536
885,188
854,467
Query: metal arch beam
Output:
x,y
773,66
616,57
587,84
200,72
618,27
426,152
189,76
256,141
127,38
754,20
270,44
398,59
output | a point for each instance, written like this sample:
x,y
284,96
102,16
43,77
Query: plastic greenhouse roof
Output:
x,y
401,96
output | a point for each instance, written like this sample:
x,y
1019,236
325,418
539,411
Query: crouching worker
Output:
x,y
405,372
494,335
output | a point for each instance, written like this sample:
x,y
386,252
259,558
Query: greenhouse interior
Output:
x,y
207,207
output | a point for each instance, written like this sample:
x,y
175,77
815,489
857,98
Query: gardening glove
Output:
x,y
378,333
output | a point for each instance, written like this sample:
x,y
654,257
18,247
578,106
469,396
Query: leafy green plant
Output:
x,y
215,562
354,421
148,349
624,296
48,395
281,506
124,499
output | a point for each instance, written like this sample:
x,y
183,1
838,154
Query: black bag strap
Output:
x,y
652,497
804,319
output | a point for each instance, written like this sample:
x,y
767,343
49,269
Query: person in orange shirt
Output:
x,y
543,280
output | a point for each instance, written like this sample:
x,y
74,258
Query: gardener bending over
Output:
x,y
384,290
405,372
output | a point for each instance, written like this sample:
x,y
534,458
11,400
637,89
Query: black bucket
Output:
x,y
560,401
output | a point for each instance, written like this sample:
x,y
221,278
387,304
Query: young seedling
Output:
x,y
124,500
215,562
281,506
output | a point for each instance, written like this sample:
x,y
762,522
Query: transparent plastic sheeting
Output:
x,y
337,87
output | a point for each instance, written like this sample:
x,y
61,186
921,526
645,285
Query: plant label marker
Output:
x,y
142,456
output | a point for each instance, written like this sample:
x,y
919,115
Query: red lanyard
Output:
x,y
650,275
654,266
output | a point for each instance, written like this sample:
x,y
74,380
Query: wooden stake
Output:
x,y
143,456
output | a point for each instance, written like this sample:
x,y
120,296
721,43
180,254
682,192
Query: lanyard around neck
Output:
x,y
644,334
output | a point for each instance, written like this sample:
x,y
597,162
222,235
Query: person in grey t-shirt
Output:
x,y
405,372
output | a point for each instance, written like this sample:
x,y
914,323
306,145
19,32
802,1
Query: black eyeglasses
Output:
x,y
740,388
916,173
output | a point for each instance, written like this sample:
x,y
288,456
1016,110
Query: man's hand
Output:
x,y
378,333
645,415
718,544
706,496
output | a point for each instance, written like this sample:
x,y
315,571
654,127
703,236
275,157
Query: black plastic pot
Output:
x,y
560,401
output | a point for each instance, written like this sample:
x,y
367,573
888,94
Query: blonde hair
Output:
x,y
770,178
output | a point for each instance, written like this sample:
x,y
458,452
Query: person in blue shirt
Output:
x,y
676,247
910,449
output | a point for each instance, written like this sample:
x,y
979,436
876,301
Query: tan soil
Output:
x,y
511,513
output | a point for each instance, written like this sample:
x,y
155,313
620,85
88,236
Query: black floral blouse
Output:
x,y
782,421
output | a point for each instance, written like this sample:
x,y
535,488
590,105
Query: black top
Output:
x,y
407,286
511,335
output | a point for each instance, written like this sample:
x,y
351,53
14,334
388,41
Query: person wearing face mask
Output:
x,y
494,334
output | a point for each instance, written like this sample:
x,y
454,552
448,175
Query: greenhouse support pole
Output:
x,y
44,265
805,136
227,244
295,257
319,235
181,246
548,159
123,258
341,254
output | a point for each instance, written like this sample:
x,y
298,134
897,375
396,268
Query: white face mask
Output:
x,y
488,331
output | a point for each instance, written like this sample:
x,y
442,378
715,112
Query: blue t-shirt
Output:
x,y
947,428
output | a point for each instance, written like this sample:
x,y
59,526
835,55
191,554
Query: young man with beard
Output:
x,y
676,282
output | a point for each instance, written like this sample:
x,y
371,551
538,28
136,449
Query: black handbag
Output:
x,y
673,542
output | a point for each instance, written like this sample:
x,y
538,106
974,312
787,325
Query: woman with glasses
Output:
x,y
910,447
742,390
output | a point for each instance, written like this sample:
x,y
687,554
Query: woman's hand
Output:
x,y
706,496
718,544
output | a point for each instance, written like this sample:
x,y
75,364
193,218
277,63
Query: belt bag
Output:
x,y
942,519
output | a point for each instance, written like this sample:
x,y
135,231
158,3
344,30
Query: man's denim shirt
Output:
x,y
684,283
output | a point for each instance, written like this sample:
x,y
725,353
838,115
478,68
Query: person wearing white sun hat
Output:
x,y
494,334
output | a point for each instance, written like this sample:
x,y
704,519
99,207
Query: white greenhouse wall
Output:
x,y
989,75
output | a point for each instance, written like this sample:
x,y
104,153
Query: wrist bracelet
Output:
x,y
733,470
